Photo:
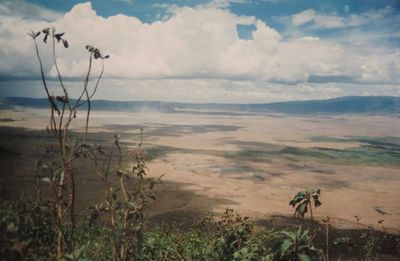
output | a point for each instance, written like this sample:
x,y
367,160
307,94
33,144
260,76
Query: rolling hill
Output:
x,y
347,104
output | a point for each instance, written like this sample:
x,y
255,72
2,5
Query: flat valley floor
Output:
x,y
251,162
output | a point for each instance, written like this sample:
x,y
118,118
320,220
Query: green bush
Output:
x,y
29,234
27,230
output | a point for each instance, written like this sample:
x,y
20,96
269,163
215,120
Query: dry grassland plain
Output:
x,y
253,163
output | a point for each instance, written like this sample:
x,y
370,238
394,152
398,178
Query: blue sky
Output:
x,y
210,50
267,10
147,10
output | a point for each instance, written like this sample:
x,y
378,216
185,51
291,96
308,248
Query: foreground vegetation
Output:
x,y
30,232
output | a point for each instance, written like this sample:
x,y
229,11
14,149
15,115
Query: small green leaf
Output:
x,y
285,246
132,204
298,233
289,234
303,257
304,234
302,209
46,179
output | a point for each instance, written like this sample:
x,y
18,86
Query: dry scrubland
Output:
x,y
253,163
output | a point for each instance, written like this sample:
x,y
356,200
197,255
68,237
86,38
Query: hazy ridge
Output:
x,y
347,104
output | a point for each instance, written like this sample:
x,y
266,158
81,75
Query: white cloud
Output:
x,y
324,20
196,50
303,17
19,8
332,20
125,1
225,3
309,38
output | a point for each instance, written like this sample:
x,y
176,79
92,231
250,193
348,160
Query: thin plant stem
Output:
x,y
41,68
98,79
327,241
52,105
58,70
89,97
97,83
309,203
67,151
86,81
87,114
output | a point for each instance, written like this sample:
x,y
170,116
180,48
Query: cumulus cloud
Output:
x,y
200,44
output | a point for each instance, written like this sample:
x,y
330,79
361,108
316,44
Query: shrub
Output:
x,y
28,229
296,246
302,202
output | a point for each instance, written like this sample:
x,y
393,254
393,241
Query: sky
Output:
x,y
225,51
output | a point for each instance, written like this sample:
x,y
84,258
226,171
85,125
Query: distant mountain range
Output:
x,y
348,104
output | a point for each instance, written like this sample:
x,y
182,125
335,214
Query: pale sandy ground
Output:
x,y
260,189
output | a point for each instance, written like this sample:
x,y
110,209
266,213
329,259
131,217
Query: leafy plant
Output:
x,y
27,229
375,241
125,201
232,233
302,202
372,246
343,244
296,246
56,166
123,204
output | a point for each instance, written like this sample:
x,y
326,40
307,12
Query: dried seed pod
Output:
x,y
65,43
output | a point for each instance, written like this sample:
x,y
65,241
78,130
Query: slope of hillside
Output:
x,y
348,104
